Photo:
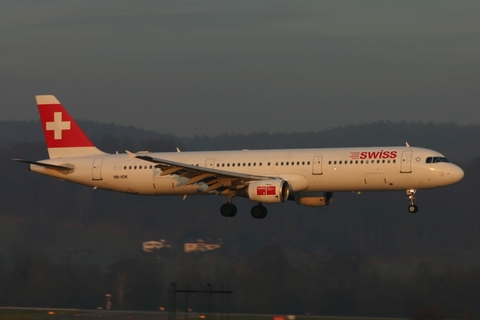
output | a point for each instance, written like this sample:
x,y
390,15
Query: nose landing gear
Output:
x,y
411,197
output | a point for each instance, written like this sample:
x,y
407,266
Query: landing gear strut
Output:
x,y
411,197
259,211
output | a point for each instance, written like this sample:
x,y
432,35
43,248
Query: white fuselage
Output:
x,y
306,170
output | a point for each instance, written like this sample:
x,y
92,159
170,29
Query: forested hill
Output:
x,y
460,143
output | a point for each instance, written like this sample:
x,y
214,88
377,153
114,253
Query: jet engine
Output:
x,y
314,199
268,191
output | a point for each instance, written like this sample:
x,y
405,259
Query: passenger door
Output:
x,y
406,165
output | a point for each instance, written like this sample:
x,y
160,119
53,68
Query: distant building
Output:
x,y
150,246
200,246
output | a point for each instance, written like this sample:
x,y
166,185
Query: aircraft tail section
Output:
x,y
63,136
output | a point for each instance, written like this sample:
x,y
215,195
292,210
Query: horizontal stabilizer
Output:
x,y
46,165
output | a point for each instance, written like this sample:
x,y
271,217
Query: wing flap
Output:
x,y
216,180
199,178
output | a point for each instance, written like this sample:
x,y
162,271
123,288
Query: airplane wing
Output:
x,y
216,180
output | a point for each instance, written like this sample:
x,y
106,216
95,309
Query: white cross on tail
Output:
x,y
58,125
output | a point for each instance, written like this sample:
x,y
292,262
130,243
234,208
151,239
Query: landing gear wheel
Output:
x,y
228,209
411,197
259,211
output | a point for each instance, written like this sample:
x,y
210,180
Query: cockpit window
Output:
x,y
436,159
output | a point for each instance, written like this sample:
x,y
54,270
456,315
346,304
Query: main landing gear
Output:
x,y
230,210
411,197
259,211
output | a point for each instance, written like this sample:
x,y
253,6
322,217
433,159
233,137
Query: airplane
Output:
x,y
307,176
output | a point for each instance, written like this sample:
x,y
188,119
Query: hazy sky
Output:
x,y
210,67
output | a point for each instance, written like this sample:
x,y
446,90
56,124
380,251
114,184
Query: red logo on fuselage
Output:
x,y
382,154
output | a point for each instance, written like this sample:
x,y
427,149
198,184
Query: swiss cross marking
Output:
x,y
58,125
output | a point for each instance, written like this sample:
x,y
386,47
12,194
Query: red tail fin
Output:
x,y
63,136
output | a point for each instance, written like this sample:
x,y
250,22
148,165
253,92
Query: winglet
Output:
x,y
406,143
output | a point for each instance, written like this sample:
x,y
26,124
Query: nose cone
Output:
x,y
455,173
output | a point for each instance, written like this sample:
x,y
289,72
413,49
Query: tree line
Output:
x,y
340,284
65,245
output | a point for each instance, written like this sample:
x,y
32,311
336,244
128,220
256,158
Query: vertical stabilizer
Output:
x,y
63,136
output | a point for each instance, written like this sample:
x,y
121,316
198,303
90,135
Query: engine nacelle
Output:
x,y
314,199
268,191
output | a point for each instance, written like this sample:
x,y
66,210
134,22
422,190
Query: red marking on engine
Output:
x,y
262,191
271,190
266,190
